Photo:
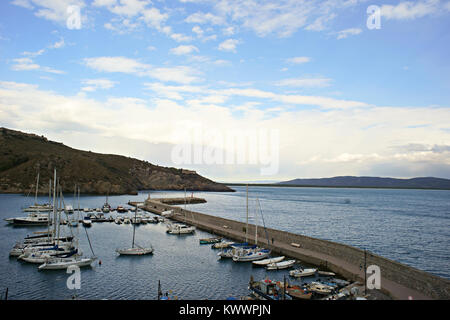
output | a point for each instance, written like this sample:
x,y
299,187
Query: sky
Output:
x,y
236,90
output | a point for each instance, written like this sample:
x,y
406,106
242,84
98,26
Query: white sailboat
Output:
x,y
181,228
135,249
74,258
298,273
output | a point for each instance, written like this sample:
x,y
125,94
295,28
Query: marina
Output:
x,y
200,257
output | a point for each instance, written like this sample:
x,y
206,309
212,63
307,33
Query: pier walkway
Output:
x,y
397,280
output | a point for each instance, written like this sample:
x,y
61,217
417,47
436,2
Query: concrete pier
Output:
x,y
399,281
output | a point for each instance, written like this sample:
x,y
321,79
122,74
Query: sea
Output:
x,y
408,226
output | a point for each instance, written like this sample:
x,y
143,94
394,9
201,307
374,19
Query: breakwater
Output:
x,y
398,280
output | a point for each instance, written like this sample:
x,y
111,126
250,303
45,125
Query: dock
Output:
x,y
398,281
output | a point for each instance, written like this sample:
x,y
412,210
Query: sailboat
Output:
x,y
73,258
256,253
106,207
135,249
38,207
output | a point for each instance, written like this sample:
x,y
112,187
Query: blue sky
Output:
x,y
137,75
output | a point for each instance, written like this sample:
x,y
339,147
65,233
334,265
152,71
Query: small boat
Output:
x,y
64,263
33,219
320,288
298,273
266,290
126,220
68,209
86,210
340,282
297,293
136,251
180,229
121,209
251,256
118,221
280,265
167,214
210,240
87,222
222,245
268,261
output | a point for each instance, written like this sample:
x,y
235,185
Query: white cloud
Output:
x,y
299,60
228,45
53,10
117,64
201,18
179,74
408,10
348,32
181,50
178,37
95,84
304,82
27,64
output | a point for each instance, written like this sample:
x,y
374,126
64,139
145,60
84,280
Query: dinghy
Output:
x,y
280,265
64,263
265,262
298,273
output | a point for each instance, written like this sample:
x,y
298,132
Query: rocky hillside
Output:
x,y
22,155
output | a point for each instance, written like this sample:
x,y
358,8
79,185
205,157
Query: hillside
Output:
x,y
373,182
21,155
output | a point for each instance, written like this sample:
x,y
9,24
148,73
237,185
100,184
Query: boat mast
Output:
x,y
37,187
256,228
134,224
246,222
184,205
54,204
49,212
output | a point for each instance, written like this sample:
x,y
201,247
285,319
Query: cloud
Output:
x,y
182,50
95,84
202,18
228,45
53,10
335,142
408,10
299,60
304,82
27,64
179,74
348,32
117,64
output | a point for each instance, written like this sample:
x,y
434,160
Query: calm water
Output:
x,y
410,226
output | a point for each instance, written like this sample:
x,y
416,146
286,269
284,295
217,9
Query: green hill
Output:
x,y
23,154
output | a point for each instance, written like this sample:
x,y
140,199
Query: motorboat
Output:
x,y
180,229
265,262
167,214
33,219
298,273
87,222
280,265
326,273
210,240
243,256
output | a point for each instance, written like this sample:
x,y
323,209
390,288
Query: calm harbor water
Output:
x,y
409,226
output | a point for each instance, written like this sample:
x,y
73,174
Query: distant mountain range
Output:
x,y
22,155
373,182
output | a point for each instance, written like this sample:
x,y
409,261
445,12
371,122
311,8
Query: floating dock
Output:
x,y
399,281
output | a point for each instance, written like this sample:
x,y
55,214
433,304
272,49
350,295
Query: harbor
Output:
x,y
174,256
